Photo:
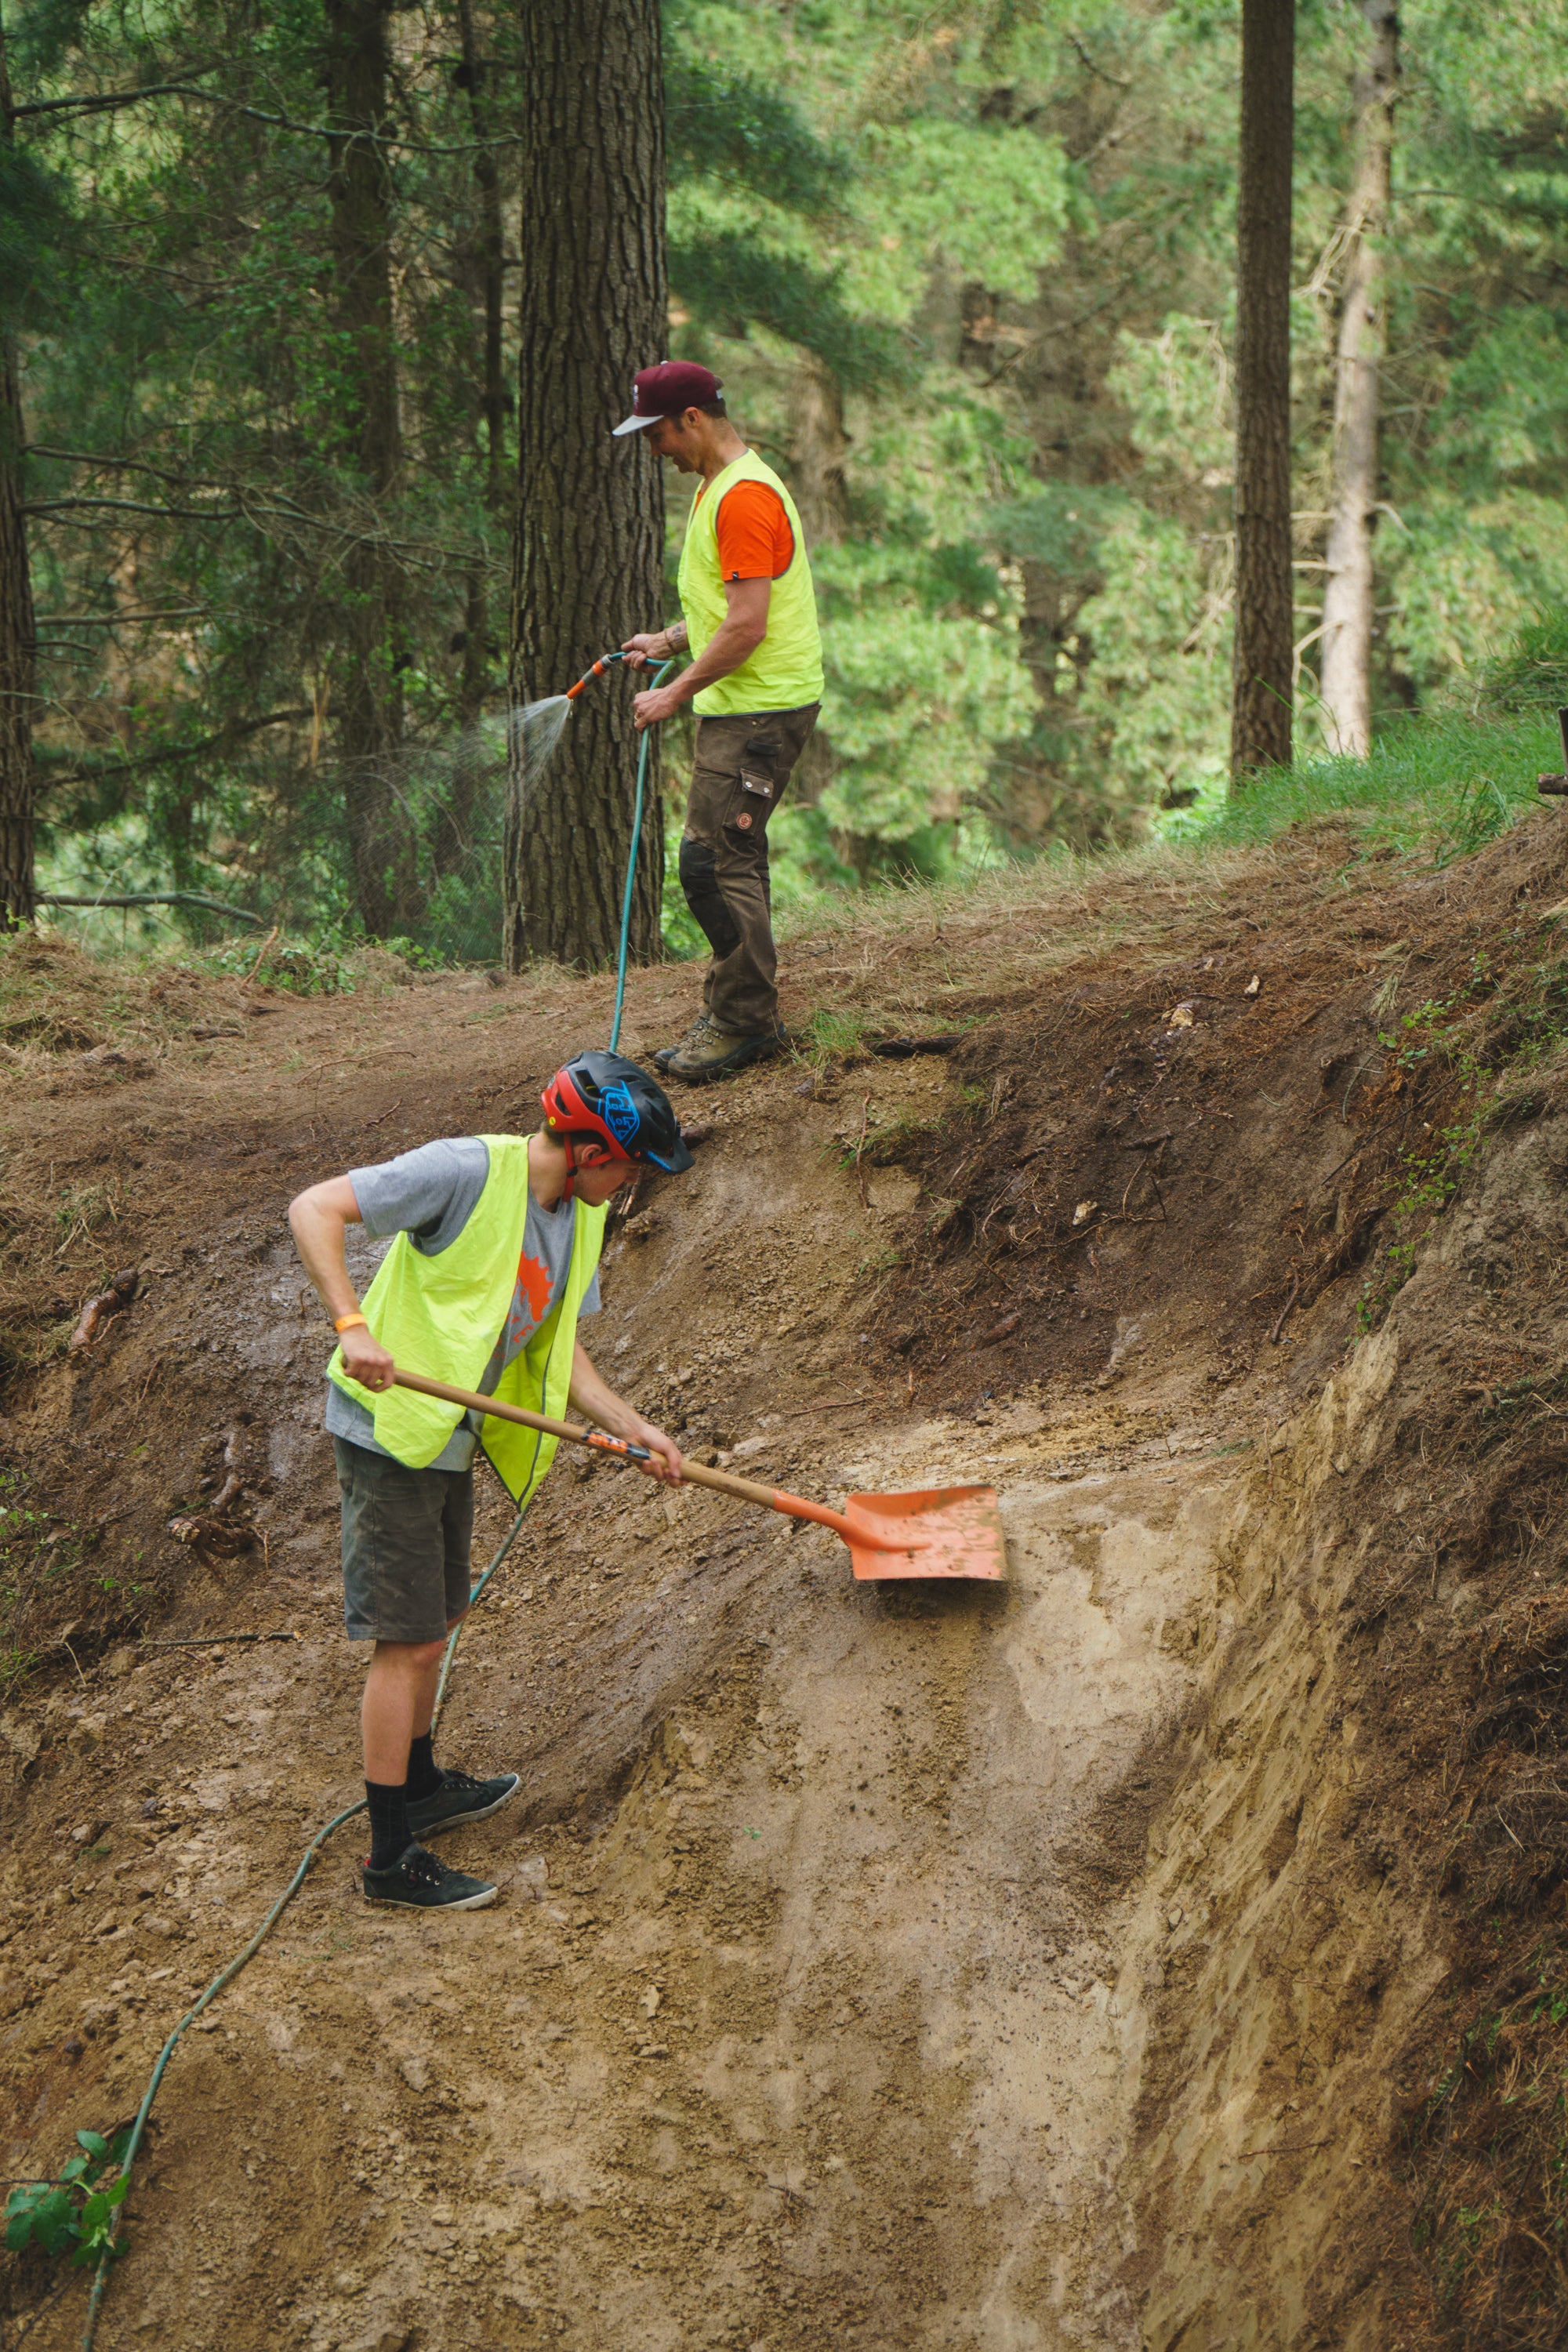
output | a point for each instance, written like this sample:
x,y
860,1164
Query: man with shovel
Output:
x,y
495,1258
755,682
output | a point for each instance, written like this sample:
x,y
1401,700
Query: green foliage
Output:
x,y
968,280
725,124
1149,707
35,223
76,2214
733,281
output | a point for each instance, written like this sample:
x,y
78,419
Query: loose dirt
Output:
x,y
875,1965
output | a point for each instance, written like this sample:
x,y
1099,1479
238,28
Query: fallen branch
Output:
x,y
833,1404
206,1640
95,1315
1279,1324
151,899
261,955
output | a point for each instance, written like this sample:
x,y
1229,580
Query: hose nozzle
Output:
x,y
600,666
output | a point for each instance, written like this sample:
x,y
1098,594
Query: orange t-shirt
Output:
x,y
755,541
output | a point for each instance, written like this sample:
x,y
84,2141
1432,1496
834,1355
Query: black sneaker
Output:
x,y
460,1797
417,1882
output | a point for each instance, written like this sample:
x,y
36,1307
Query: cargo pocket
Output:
x,y
752,802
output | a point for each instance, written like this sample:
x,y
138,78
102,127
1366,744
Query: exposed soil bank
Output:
x,y
1044,1965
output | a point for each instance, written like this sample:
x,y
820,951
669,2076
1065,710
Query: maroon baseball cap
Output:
x,y
668,390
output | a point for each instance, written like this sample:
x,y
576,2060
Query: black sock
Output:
x,y
390,1836
423,1772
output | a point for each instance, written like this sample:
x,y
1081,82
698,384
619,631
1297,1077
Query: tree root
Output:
x,y
95,1315
209,1531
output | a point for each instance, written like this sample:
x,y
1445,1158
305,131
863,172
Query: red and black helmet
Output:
x,y
607,1108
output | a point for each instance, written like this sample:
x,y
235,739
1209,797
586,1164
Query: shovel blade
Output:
x,y
957,1528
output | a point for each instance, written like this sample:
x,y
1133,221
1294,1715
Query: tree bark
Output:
x,y
1261,683
1348,598
455,841
17,633
373,631
819,445
588,561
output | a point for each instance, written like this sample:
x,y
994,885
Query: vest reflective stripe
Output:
x,y
442,1316
785,671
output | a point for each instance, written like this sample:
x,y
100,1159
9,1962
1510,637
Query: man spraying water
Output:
x,y
755,682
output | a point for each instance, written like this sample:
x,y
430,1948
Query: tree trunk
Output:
x,y
17,635
1348,593
455,840
372,636
1261,683
589,558
819,447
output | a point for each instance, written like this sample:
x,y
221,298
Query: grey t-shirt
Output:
x,y
430,1195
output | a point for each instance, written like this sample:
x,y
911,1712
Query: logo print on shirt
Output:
x,y
534,1281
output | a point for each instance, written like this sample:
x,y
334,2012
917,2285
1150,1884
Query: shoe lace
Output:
x,y
462,1781
426,1871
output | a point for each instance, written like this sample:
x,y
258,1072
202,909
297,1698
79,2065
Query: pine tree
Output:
x,y
1348,595
1261,683
17,632
359,188
590,542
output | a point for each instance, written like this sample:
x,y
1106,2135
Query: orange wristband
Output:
x,y
346,1322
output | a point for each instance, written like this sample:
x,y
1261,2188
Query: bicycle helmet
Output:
x,y
605,1108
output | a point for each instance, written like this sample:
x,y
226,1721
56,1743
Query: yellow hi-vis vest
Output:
x,y
785,671
442,1316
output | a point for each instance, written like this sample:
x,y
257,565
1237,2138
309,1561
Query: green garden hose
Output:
x,y
631,869
226,1976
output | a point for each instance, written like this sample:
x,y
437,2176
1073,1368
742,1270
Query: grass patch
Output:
x,y
842,1032
1438,784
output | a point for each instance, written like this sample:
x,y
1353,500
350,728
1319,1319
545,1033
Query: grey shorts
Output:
x,y
408,1535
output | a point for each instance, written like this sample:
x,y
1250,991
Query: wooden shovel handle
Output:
x,y
794,1507
695,1474
575,1432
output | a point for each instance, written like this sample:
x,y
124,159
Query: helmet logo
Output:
x,y
619,1112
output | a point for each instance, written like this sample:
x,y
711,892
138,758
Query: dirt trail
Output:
x,y
830,1998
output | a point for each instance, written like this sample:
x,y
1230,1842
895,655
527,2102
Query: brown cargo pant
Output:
x,y
738,778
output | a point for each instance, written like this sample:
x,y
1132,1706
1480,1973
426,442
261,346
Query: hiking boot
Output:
x,y
697,1031
459,1798
721,1053
417,1882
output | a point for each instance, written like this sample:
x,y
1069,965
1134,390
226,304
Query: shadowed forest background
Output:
x,y
968,279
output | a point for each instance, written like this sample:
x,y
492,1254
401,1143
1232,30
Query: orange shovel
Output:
x,y
943,1531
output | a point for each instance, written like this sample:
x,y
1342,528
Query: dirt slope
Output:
x,y
875,1966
